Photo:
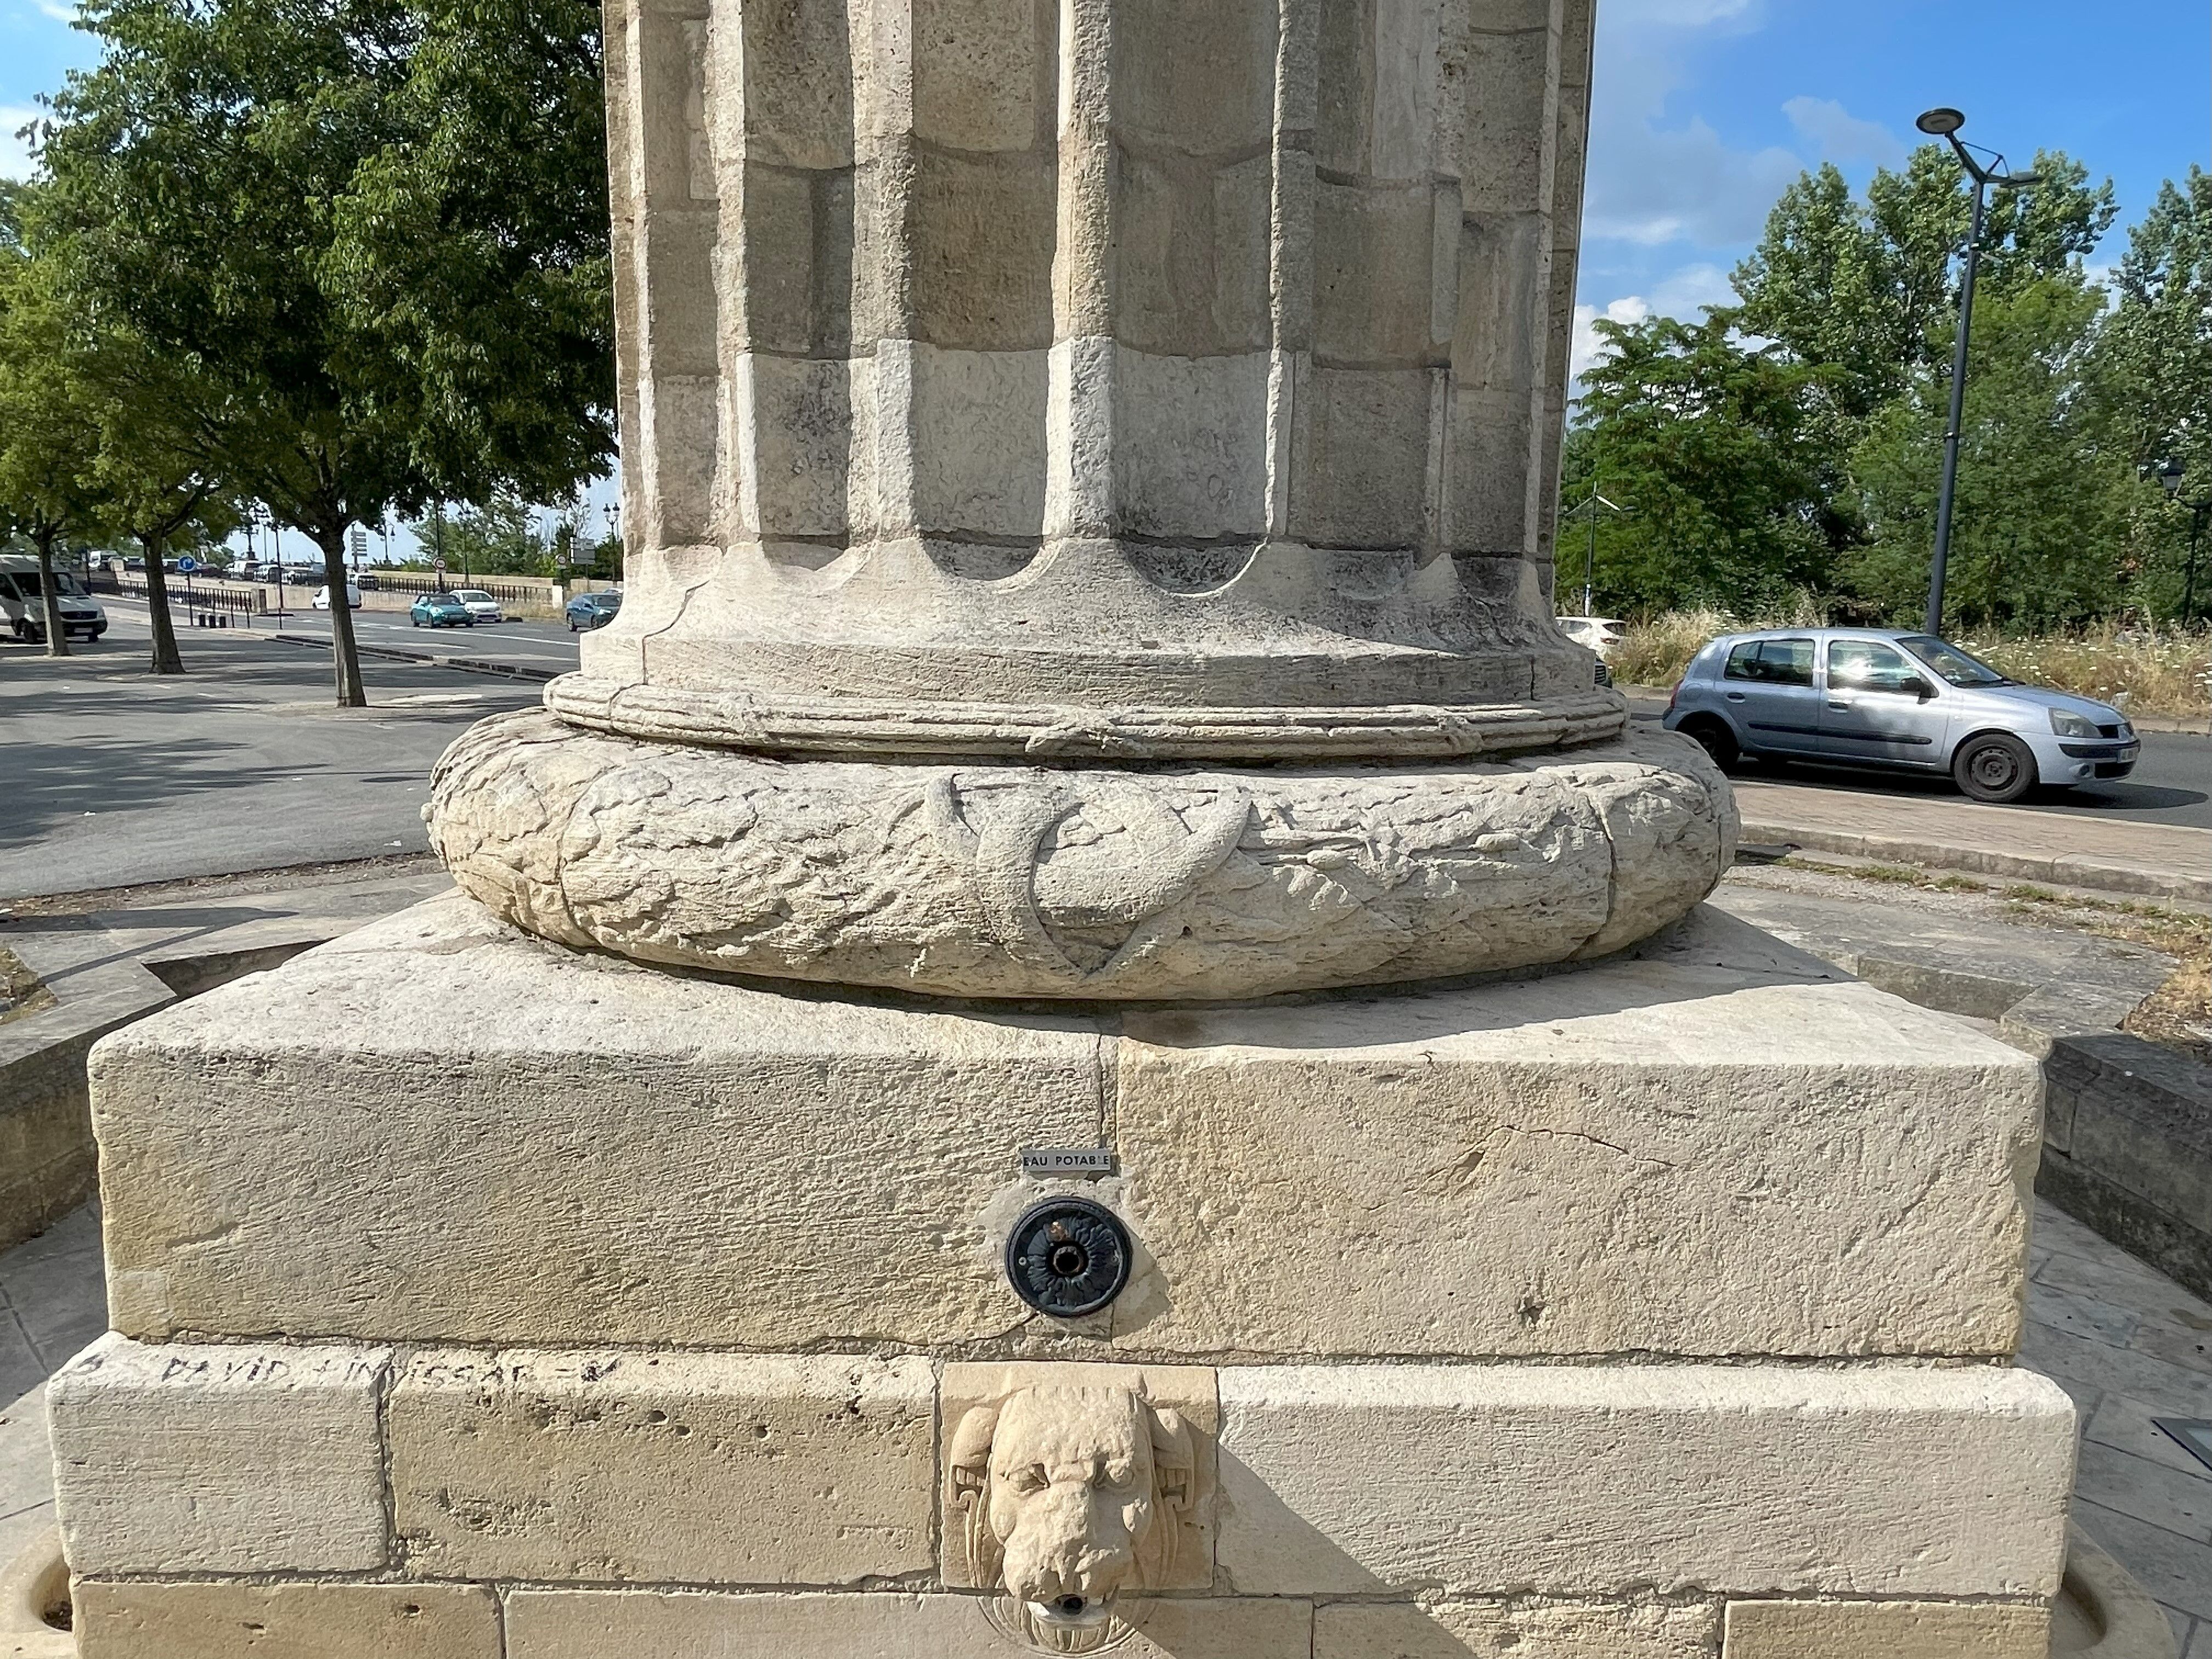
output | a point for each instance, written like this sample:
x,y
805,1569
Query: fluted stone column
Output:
x,y
1025,402
1121,377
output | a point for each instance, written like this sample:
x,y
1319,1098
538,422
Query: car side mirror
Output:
x,y
1918,687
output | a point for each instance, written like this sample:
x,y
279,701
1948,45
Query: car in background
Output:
x,y
482,606
1910,702
322,601
1598,634
589,610
22,601
303,575
440,610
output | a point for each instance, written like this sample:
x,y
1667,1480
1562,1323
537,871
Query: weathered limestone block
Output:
x,y
1001,881
557,1625
1890,1481
667,1467
1527,1629
601,1154
1673,1155
219,1458
1886,1629
285,1621
1711,1147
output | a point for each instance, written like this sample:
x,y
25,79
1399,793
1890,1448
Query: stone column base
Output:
x,y
1032,881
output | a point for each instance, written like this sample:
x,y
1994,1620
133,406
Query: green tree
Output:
x,y
49,427
238,185
1714,445
498,538
1871,287
473,250
2039,523
2154,377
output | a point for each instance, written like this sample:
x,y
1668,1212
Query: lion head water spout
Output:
x,y
1072,1496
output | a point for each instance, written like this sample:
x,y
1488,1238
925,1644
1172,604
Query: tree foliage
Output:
x,y
49,427
1830,474
358,233
1716,446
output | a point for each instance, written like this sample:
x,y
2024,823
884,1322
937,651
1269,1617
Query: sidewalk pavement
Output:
x,y
2115,855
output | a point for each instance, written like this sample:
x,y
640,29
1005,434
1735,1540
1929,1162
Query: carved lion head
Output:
x,y
1070,1496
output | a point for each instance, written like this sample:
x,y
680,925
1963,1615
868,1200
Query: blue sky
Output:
x,y
1704,110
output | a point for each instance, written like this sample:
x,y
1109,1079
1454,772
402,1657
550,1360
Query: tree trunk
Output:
x,y
166,659
345,657
50,598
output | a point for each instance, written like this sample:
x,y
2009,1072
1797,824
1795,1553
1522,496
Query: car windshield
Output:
x,y
472,595
1954,664
27,583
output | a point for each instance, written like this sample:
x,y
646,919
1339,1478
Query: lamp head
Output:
x,y
2171,476
1941,123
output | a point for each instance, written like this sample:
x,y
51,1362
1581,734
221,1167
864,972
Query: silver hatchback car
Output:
x,y
1863,696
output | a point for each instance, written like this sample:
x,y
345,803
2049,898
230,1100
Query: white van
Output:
x,y
24,607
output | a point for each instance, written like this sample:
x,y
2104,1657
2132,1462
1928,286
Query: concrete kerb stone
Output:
x,y
47,1158
2142,880
460,664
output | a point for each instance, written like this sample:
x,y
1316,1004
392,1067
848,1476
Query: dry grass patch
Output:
x,y
21,991
2148,671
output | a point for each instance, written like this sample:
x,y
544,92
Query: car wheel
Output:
x,y
1716,740
1995,768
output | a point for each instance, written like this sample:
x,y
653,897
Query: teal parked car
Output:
x,y
440,611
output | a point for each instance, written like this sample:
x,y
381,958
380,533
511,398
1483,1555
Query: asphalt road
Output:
x,y
113,777
2172,784
547,645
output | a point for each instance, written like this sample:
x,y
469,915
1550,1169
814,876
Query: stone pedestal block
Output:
x,y
442,1131
1358,1510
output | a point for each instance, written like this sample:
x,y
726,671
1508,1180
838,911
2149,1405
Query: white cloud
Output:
x,y
1840,135
1588,348
59,11
14,153
1654,187
1687,293
1678,14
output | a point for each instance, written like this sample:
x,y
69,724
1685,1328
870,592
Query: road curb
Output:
x,y
2138,881
507,670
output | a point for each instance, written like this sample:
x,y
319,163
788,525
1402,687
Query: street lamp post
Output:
x,y
1590,505
2171,476
1945,124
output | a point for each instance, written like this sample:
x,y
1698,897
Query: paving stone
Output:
x,y
2176,1570
2171,1498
